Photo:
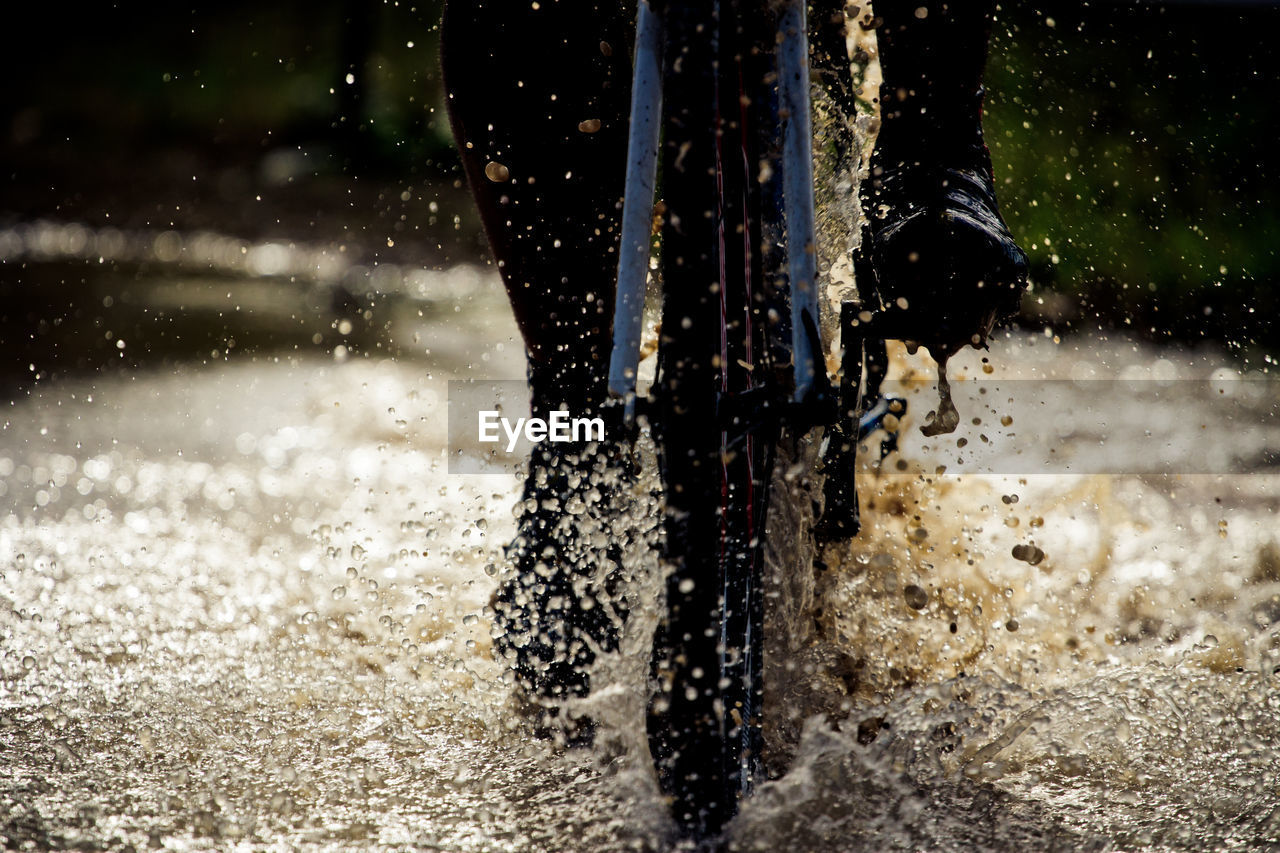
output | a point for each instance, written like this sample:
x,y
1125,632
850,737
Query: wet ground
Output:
x,y
243,602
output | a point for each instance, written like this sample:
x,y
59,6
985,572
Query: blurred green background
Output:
x,y
295,120
1135,143
1137,147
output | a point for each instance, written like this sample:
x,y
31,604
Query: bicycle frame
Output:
x,y
642,170
642,167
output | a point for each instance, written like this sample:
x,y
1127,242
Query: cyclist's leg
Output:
x,y
538,98
932,63
935,237
538,95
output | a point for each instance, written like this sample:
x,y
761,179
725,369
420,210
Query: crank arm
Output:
x,y
863,353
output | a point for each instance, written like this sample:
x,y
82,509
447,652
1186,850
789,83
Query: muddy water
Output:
x,y
243,604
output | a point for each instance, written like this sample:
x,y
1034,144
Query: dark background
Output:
x,y
1139,146
1136,146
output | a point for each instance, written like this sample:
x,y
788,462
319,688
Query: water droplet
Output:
x,y
916,597
1029,554
946,418
497,172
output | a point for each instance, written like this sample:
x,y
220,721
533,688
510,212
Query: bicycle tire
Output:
x,y
717,345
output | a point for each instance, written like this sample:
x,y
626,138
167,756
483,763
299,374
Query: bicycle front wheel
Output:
x,y
716,461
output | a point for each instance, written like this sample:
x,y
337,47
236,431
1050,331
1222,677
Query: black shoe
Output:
x,y
561,604
940,262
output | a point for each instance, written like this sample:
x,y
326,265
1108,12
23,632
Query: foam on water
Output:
x,y
245,604
1116,689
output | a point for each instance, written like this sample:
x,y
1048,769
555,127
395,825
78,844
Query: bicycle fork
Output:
x,y
798,206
